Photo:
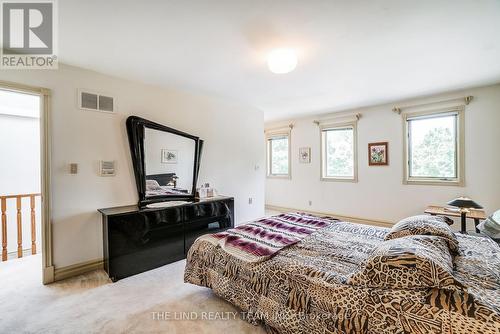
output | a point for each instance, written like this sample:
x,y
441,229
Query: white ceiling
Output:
x,y
351,53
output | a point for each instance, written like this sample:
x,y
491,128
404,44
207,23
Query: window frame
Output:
x,y
459,180
333,126
269,137
49,272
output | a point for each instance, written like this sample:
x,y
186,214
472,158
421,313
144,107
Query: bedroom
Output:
x,y
358,73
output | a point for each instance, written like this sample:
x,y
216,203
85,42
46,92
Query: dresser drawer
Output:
x,y
206,210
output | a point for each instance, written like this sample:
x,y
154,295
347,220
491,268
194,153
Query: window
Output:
x,y
278,155
338,153
433,147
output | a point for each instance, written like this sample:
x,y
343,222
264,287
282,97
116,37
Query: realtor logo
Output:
x,y
28,35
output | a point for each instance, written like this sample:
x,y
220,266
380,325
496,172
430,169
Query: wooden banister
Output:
x,y
4,228
19,228
33,225
20,195
3,206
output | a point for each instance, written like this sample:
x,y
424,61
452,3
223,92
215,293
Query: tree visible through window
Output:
x,y
338,153
433,146
278,155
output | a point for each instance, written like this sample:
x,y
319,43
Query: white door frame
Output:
x,y
47,264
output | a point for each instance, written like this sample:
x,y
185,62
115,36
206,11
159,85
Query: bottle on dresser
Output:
x,y
205,191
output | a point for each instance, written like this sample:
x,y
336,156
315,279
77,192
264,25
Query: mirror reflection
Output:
x,y
169,163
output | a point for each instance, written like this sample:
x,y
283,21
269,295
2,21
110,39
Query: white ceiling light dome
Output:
x,y
282,61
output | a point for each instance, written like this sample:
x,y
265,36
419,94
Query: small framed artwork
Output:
x,y
305,155
168,156
378,154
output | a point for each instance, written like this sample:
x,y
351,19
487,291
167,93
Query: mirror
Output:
x,y
169,161
166,161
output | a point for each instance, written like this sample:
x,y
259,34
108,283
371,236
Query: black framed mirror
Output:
x,y
166,161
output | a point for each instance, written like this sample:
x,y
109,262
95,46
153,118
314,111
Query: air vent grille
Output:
x,y
107,168
95,101
89,101
105,103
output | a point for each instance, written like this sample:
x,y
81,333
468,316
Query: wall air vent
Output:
x,y
107,168
95,101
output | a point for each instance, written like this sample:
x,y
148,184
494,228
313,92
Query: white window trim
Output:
x,y
326,126
273,134
460,151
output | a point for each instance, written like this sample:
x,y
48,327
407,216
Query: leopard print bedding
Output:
x,y
424,225
415,261
304,288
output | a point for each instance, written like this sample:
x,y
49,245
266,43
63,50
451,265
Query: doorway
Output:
x,y
24,176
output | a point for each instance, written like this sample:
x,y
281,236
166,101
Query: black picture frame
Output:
x,y
135,131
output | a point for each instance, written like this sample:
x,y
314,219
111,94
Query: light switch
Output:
x,y
73,168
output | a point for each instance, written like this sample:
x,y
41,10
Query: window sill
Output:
x,y
432,182
339,179
284,177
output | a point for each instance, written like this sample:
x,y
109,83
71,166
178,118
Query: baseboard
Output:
x,y
359,220
48,275
77,269
13,255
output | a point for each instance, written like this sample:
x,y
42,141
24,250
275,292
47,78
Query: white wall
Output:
x,y
379,193
233,135
20,155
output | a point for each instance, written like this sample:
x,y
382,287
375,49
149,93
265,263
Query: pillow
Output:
x,y
412,262
152,185
491,226
425,225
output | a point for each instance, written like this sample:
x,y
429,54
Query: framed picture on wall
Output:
x,y
168,156
378,154
305,155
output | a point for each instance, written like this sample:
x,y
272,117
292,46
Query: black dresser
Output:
x,y
136,240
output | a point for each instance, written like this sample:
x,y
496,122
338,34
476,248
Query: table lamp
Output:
x,y
464,204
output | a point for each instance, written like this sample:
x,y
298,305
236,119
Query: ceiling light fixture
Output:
x,y
282,61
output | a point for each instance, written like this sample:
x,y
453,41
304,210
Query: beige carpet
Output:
x,y
92,304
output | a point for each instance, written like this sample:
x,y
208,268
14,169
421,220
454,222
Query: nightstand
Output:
x,y
476,215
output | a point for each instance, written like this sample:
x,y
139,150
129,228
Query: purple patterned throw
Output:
x,y
259,240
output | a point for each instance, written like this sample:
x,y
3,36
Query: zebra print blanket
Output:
x,y
258,241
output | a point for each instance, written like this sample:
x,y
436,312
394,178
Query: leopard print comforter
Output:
x,y
304,288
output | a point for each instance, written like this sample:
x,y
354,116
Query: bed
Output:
x,y
352,278
163,184
165,190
